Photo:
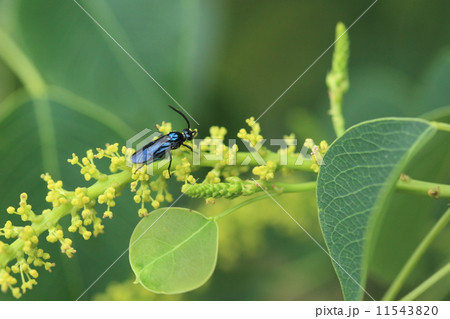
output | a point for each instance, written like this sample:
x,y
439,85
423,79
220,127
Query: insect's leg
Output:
x,y
170,163
188,147
138,168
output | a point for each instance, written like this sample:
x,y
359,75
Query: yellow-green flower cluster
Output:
x,y
23,266
317,152
145,189
9,231
88,168
118,161
217,132
213,144
164,128
23,255
108,198
8,282
26,255
226,165
290,148
233,170
24,210
253,137
265,172
81,200
56,234
88,217
56,194
212,177
183,170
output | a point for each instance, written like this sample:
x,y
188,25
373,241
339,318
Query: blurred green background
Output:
x,y
224,61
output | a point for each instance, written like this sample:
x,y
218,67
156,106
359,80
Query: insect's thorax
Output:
x,y
176,139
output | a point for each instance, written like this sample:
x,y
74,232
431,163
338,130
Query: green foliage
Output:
x,y
62,94
174,250
362,167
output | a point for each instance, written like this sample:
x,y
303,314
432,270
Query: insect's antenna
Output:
x,y
185,118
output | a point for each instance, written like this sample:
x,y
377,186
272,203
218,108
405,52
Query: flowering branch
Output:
x,y
21,257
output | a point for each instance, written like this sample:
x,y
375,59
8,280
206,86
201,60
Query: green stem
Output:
x,y
90,109
12,102
417,254
436,114
441,126
39,90
20,64
280,188
427,283
47,136
294,188
424,188
240,205
337,118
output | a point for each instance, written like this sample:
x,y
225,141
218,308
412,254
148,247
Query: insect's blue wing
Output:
x,y
141,156
151,152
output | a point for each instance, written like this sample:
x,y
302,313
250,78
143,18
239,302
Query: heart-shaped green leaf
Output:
x,y
360,171
174,250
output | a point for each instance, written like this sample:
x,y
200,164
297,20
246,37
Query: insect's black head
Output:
x,y
189,134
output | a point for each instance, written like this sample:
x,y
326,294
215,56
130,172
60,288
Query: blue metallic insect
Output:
x,y
159,148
